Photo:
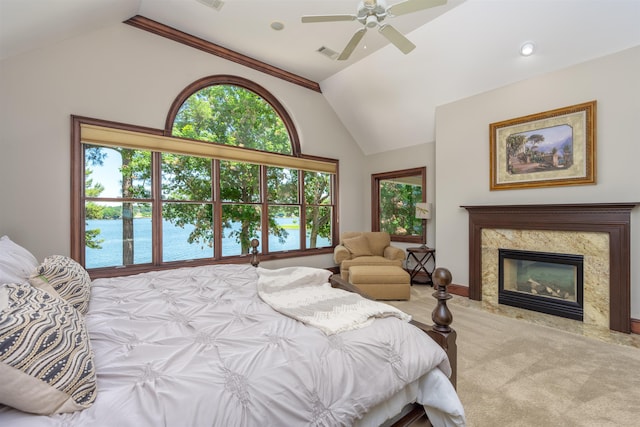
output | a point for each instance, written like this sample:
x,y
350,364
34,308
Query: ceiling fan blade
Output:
x,y
394,36
328,18
409,6
355,39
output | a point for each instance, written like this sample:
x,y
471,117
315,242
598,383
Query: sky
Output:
x,y
554,136
108,174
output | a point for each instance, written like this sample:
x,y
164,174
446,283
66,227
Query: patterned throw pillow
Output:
x,y
46,361
60,275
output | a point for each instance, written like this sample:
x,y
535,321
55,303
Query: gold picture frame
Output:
x,y
552,148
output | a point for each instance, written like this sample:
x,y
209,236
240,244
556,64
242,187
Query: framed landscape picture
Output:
x,y
546,149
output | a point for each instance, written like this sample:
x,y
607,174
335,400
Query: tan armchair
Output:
x,y
366,248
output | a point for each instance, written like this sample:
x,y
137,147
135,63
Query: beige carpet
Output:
x,y
512,372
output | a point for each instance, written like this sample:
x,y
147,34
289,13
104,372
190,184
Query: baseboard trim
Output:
x,y
463,291
460,290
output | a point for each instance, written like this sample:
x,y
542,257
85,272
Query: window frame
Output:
x,y
375,200
78,197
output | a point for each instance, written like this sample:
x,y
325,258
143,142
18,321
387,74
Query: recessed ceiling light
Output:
x,y
527,48
277,25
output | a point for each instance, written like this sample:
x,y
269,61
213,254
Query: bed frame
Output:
x,y
440,331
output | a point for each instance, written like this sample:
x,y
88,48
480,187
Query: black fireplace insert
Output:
x,y
550,283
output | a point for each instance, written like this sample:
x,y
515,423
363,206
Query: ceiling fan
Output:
x,y
371,13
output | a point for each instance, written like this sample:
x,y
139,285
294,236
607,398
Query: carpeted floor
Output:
x,y
512,372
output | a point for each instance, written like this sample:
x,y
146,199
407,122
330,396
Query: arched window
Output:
x,y
226,169
232,111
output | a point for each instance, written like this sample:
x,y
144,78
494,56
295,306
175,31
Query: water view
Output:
x,y
175,245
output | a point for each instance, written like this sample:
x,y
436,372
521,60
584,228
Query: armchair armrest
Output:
x,y
340,253
393,252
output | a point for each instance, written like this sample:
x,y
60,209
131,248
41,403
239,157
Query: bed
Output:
x,y
199,346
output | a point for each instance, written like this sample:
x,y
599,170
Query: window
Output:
x,y
226,170
393,203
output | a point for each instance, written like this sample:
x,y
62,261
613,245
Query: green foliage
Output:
x,y
514,144
534,140
232,115
282,185
92,210
136,173
317,192
186,177
397,208
228,115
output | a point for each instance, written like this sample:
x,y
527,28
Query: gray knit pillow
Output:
x,y
46,361
62,276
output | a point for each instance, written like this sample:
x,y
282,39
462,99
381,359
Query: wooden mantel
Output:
x,y
611,218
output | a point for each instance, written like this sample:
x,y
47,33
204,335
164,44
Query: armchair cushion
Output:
x,y
358,246
378,241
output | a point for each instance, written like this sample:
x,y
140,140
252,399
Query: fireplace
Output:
x,y
607,294
550,283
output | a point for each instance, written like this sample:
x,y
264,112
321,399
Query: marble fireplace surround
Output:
x,y
581,224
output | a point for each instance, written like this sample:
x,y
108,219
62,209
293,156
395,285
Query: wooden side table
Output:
x,y
421,256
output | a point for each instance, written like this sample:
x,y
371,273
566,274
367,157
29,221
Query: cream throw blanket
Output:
x,y
304,294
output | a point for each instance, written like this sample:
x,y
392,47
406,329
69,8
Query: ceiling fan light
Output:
x,y
527,48
372,21
369,4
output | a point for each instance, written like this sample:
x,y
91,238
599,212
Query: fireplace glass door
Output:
x,y
545,282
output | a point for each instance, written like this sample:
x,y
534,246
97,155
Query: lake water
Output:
x,y
175,245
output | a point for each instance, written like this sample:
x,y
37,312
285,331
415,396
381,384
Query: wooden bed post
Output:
x,y
441,332
254,252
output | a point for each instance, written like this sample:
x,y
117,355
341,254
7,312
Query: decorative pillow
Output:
x,y
16,263
46,362
61,276
358,246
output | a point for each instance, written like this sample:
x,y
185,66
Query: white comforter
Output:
x,y
198,347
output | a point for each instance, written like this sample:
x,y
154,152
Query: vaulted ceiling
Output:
x,y
386,99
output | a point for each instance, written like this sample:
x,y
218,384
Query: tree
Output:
x,y
232,115
92,211
533,141
317,187
567,152
514,142
397,208
136,176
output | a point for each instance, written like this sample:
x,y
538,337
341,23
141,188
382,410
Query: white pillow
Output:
x,y
16,263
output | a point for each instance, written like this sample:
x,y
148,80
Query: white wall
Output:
x,y
462,151
124,74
